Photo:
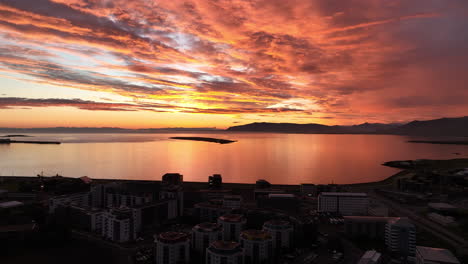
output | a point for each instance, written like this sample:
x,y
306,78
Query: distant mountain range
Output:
x,y
436,127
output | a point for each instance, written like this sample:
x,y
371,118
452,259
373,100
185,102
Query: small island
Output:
x,y
206,139
448,142
9,136
9,141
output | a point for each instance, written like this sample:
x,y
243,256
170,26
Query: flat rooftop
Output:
x,y
437,255
257,235
233,218
207,227
225,245
371,256
173,237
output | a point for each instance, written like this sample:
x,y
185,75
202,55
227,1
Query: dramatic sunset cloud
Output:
x,y
225,62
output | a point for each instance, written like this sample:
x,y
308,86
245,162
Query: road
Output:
x,y
454,240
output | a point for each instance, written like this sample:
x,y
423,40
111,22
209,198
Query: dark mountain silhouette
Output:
x,y
437,127
365,128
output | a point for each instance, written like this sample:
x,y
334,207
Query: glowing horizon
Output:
x,y
200,63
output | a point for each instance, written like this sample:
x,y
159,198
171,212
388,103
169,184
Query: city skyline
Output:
x,y
142,64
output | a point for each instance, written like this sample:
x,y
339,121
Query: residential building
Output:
x,y
154,214
203,234
210,211
428,255
232,201
232,225
343,203
172,179
80,199
281,201
400,236
258,246
175,193
125,200
172,248
85,218
224,252
215,181
366,226
281,232
371,257
119,225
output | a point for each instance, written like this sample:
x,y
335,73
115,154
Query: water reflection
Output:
x,y
279,158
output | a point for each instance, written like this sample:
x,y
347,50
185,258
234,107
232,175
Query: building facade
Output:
x,y
343,203
282,233
366,226
400,236
224,252
258,246
232,225
172,248
203,235
118,225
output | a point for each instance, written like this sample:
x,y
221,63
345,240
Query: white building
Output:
x,y
428,255
371,257
118,225
232,225
203,234
172,248
258,246
343,203
232,201
80,199
400,236
224,252
281,232
176,193
125,200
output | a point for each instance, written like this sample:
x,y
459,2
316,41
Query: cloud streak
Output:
x,y
354,61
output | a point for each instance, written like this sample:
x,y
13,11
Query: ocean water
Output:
x,y
278,158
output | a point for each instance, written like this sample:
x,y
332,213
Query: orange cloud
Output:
x,y
351,60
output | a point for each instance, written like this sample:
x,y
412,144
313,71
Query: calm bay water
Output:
x,y
278,158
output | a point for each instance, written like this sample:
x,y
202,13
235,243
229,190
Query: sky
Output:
x,y
220,63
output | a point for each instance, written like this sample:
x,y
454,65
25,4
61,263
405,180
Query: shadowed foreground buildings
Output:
x,y
198,224
258,246
173,248
427,255
224,252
